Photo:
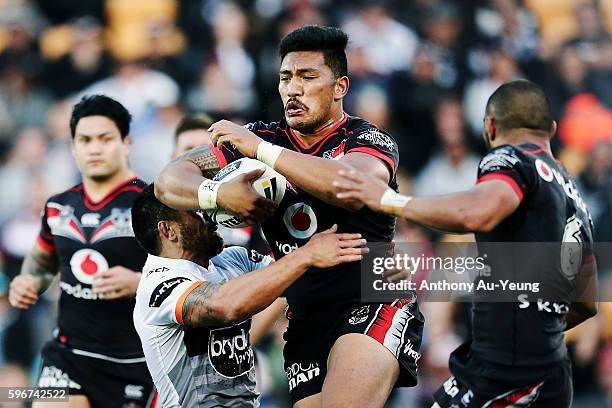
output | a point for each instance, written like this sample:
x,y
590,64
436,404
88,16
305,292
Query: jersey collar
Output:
x,y
154,262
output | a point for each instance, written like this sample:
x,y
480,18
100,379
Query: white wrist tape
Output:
x,y
392,199
207,194
268,153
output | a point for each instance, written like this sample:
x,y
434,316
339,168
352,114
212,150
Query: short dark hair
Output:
x,y
193,122
331,41
520,104
101,105
147,212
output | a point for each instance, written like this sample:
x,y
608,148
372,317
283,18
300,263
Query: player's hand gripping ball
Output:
x,y
270,185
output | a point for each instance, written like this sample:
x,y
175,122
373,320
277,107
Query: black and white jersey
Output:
x,y
203,366
551,211
89,238
301,215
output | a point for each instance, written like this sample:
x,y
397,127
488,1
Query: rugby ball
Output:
x,y
271,185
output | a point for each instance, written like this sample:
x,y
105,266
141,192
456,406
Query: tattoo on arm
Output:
x,y
203,157
41,264
198,309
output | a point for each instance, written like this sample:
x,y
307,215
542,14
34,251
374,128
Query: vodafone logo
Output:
x,y
300,220
544,170
86,263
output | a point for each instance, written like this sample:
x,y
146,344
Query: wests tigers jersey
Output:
x,y
89,238
301,215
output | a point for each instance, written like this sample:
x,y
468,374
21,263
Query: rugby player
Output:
x,y
333,339
195,300
192,132
86,237
515,356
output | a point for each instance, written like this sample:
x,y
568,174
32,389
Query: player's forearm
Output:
x,y
240,298
452,213
252,293
314,175
44,274
177,185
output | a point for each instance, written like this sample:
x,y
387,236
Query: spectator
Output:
x,y
503,68
414,95
387,44
85,63
454,167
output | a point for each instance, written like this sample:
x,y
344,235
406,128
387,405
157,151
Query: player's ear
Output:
x,y
491,129
167,230
553,129
341,88
127,142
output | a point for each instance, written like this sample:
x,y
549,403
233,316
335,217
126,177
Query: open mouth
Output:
x,y
294,108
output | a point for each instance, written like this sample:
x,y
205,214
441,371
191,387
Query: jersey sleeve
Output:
x,y
375,142
161,296
45,237
505,164
246,260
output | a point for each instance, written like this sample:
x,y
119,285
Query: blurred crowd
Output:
x,y
420,69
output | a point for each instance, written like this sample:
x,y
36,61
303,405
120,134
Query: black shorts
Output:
x,y
104,383
478,383
397,326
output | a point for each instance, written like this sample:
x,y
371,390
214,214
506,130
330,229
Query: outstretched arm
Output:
x,y
479,209
237,299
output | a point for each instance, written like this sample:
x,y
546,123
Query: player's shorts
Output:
x,y
104,383
478,383
397,326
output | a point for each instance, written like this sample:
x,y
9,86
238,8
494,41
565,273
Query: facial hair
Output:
x,y
201,241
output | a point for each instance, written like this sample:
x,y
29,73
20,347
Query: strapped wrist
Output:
x,y
268,153
207,194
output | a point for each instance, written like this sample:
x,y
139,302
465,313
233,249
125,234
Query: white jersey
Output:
x,y
203,366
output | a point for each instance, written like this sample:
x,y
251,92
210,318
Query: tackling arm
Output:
x,y
217,304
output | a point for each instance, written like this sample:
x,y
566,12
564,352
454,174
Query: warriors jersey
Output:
x,y
89,238
551,211
202,366
301,215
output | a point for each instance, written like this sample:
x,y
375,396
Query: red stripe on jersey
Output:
x,y
509,180
53,212
538,151
154,400
266,131
220,157
48,247
382,324
324,138
375,153
111,195
297,148
101,228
